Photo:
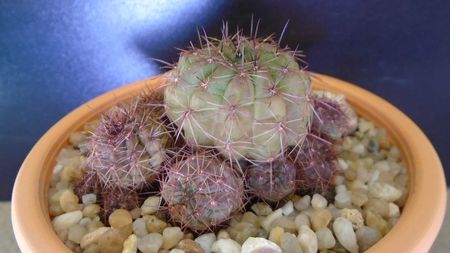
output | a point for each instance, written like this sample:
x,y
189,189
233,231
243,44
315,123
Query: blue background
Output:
x,y
56,55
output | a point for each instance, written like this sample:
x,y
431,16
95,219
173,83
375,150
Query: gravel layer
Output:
x,y
371,189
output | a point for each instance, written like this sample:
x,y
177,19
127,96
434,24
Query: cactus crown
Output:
x,y
245,96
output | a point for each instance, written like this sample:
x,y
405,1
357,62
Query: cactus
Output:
x,y
245,96
272,181
333,116
128,147
316,165
201,190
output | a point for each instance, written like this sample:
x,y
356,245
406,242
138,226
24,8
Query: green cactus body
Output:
x,y
202,191
244,96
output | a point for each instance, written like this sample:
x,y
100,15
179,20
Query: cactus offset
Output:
x,y
333,116
245,96
128,146
316,165
272,181
201,191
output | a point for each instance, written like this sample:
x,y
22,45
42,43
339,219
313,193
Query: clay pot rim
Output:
x,y
415,231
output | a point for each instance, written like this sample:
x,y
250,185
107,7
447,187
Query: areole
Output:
x,y
426,201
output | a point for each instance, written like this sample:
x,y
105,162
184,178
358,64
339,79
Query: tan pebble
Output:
x,y
92,248
320,218
70,173
270,218
151,205
126,230
69,201
307,239
241,231
377,222
325,239
259,245
359,198
150,243
154,224
343,230
318,201
354,216
350,175
226,246
294,198
92,237
251,218
188,236
190,246
303,203
76,138
171,237
94,225
261,209
377,206
223,234
130,244
290,244
91,210
135,213
286,222
275,235
120,218
111,242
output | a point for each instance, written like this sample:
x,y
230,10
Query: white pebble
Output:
x,y
325,238
151,205
288,208
150,243
343,165
339,180
139,227
206,241
343,199
90,198
303,203
341,188
92,237
290,244
265,223
302,220
343,230
394,210
76,232
308,240
359,149
130,244
318,201
171,237
384,191
226,246
367,237
177,251
259,245
66,220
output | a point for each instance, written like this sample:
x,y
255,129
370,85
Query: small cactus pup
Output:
x,y
202,191
271,181
125,153
333,116
316,165
245,96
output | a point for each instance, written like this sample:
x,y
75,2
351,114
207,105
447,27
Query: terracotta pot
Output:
x,y
415,231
